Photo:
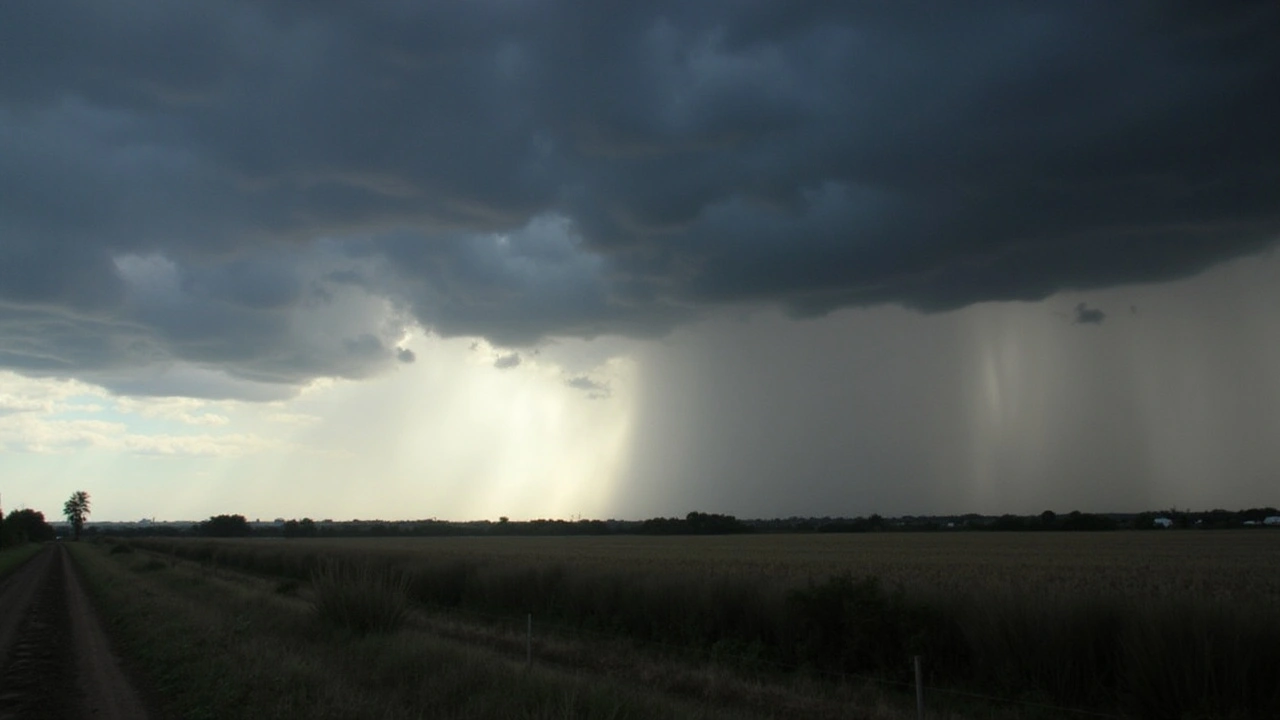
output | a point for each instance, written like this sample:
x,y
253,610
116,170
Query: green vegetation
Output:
x,y
1150,624
360,597
225,526
23,526
76,510
208,642
13,557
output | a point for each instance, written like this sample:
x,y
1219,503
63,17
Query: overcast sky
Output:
x,y
413,259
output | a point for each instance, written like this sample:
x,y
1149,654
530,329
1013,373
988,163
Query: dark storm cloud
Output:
x,y
517,170
1086,315
508,361
405,355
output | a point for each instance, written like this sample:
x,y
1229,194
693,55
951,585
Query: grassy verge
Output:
x,y
12,558
228,645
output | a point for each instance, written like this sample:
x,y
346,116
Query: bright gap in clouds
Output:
x,y
453,436
448,435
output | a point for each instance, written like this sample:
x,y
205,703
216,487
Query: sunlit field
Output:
x,y
1153,624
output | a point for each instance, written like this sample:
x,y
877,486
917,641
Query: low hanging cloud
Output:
x,y
269,192
1086,315
594,389
508,361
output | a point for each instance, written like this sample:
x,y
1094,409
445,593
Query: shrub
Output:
x,y
360,597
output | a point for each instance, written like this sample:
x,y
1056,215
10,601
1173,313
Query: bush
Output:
x,y
359,597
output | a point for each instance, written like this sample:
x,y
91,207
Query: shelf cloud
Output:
x,y
277,191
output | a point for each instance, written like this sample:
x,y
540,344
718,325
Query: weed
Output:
x,y
287,587
360,597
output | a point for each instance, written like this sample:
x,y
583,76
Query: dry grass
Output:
x,y
227,645
1155,624
360,598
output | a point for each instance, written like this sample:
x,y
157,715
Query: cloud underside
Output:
x,y
257,194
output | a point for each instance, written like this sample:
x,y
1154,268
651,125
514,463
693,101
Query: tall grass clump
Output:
x,y
1201,660
1066,648
857,625
361,598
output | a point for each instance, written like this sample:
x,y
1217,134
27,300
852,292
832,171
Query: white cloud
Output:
x,y
42,416
31,434
28,433
284,417
189,411
204,445
19,394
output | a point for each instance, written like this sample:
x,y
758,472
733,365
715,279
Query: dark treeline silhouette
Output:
x,y
875,523
1048,520
225,526
694,523
23,526
1209,519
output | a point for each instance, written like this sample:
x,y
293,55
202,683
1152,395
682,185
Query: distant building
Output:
x,y
1273,520
1162,522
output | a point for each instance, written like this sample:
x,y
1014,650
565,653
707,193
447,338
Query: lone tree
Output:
x,y
77,511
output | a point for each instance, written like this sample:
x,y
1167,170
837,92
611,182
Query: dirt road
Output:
x,y
54,659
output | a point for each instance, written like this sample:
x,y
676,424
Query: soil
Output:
x,y
55,662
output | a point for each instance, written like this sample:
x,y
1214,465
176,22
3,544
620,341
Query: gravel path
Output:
x,y
54,658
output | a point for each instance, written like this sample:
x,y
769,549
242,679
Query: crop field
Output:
x,y
1138,624
1227,566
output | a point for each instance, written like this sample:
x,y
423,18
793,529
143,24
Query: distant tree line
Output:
x,y
1207,519
1049,520
694,523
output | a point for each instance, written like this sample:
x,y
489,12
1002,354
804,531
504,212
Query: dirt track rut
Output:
x,y
54,658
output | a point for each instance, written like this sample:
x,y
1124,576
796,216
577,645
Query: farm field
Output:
x,y
1143,624
1231,566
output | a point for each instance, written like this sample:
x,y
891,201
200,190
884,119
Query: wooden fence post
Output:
x,y
919,688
